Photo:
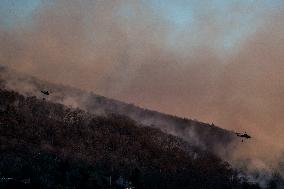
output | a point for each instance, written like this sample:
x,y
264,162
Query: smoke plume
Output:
x,y
126,50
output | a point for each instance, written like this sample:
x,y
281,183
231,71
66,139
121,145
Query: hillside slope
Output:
x,y
48,145
206,136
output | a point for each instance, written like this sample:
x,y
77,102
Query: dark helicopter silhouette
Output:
x,y
245,135
45,92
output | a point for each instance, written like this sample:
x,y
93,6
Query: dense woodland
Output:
x,y
207,136
48,145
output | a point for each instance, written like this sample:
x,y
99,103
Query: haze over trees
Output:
x,y
52,146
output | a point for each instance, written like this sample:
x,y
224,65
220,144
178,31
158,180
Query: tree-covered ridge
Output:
x,y
48,145
205,135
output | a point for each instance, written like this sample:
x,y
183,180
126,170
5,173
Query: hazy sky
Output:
x,y
236,19
218,61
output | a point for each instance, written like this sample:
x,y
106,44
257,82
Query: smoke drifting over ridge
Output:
x,y
126,50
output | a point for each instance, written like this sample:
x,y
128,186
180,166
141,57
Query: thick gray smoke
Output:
x,y
125,50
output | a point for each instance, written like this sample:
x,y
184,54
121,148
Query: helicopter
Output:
x,y
45,92
244,135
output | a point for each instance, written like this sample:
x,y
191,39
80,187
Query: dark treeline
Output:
x,y
207,136
48,145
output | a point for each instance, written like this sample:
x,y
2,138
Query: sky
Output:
x,y
216,61
239,18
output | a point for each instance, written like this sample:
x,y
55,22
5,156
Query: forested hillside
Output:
x,y
206,136
49,145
